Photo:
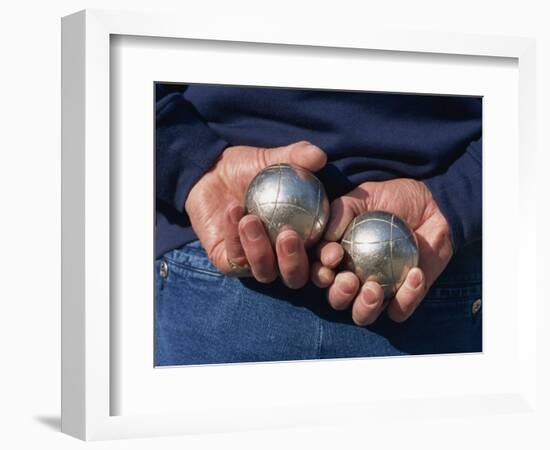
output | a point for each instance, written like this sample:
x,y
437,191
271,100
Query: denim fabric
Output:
x,y
203,317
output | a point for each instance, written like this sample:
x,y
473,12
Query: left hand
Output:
x,y
413,202
214,207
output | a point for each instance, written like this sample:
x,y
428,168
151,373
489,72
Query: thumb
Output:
x,y
302,154
342,211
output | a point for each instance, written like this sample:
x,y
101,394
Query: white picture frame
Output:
x,y
88,330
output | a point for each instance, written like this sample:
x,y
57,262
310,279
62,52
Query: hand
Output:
x,y
413,202
214,206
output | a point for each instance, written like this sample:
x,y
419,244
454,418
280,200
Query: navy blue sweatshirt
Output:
x,y
367,137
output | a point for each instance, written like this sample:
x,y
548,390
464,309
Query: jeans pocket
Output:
x,y
190,260
448,320
195,305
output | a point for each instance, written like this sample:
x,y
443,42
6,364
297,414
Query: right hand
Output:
x,y
214,206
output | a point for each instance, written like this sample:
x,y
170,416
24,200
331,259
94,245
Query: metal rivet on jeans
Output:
x,y
163,269
476,306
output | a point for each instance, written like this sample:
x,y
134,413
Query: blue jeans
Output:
x,y
202,316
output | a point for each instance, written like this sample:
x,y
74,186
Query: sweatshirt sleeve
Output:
x,y
185,147
458,194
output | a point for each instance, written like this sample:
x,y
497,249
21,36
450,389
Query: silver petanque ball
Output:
x,y
288,197
379,246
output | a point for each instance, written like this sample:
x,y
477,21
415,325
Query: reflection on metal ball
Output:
x,y
379,246
288,197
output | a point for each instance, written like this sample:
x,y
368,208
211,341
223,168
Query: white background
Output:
x,y
30,198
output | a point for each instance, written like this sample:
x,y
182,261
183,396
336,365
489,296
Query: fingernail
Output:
x,y
290,246
253,230
235,214
347,288
370,296
326,276
337,257
415,280
311,147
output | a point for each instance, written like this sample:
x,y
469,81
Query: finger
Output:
x,y
408,297
257,248
330,254
321,276
292,259
303,154
342,292
368,304
341,215
233,247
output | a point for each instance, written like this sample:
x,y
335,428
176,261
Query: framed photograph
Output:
x,y
223,189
